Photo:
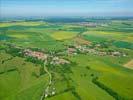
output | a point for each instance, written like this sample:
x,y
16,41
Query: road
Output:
x,y
50,81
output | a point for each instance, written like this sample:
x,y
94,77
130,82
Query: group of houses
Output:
x,y
35,54
70,51
42,56
92,24
58,61
87,50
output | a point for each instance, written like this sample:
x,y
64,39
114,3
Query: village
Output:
x,y
93,24
95,50
58,58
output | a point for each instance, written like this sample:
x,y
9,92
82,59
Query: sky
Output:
x,y
66,8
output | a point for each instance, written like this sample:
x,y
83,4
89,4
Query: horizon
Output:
x,y
69,8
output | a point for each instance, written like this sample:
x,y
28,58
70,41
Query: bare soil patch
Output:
x,y
129,64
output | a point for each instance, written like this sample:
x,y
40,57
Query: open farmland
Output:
x,y
46,60
61,35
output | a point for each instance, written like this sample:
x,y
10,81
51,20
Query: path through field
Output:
x,y
45,93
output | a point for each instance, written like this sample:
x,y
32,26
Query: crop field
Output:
x,y
44,60
61,35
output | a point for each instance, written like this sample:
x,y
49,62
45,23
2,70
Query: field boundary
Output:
x,y
111,92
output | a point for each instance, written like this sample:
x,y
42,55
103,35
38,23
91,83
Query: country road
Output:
x,y
50,81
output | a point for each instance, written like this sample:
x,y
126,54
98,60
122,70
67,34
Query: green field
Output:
x,y
95,72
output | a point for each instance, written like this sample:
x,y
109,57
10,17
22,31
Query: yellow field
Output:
x,y
102,32
18,35
61,35
20,23
129,38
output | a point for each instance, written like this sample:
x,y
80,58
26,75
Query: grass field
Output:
x,y
88,76
19,84
108,74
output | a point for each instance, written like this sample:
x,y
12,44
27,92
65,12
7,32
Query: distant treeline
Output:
x,y
63,19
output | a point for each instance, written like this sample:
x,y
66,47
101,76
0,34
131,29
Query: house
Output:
x,y
88,24
116,53
71,51
58,61
36,54
102,53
